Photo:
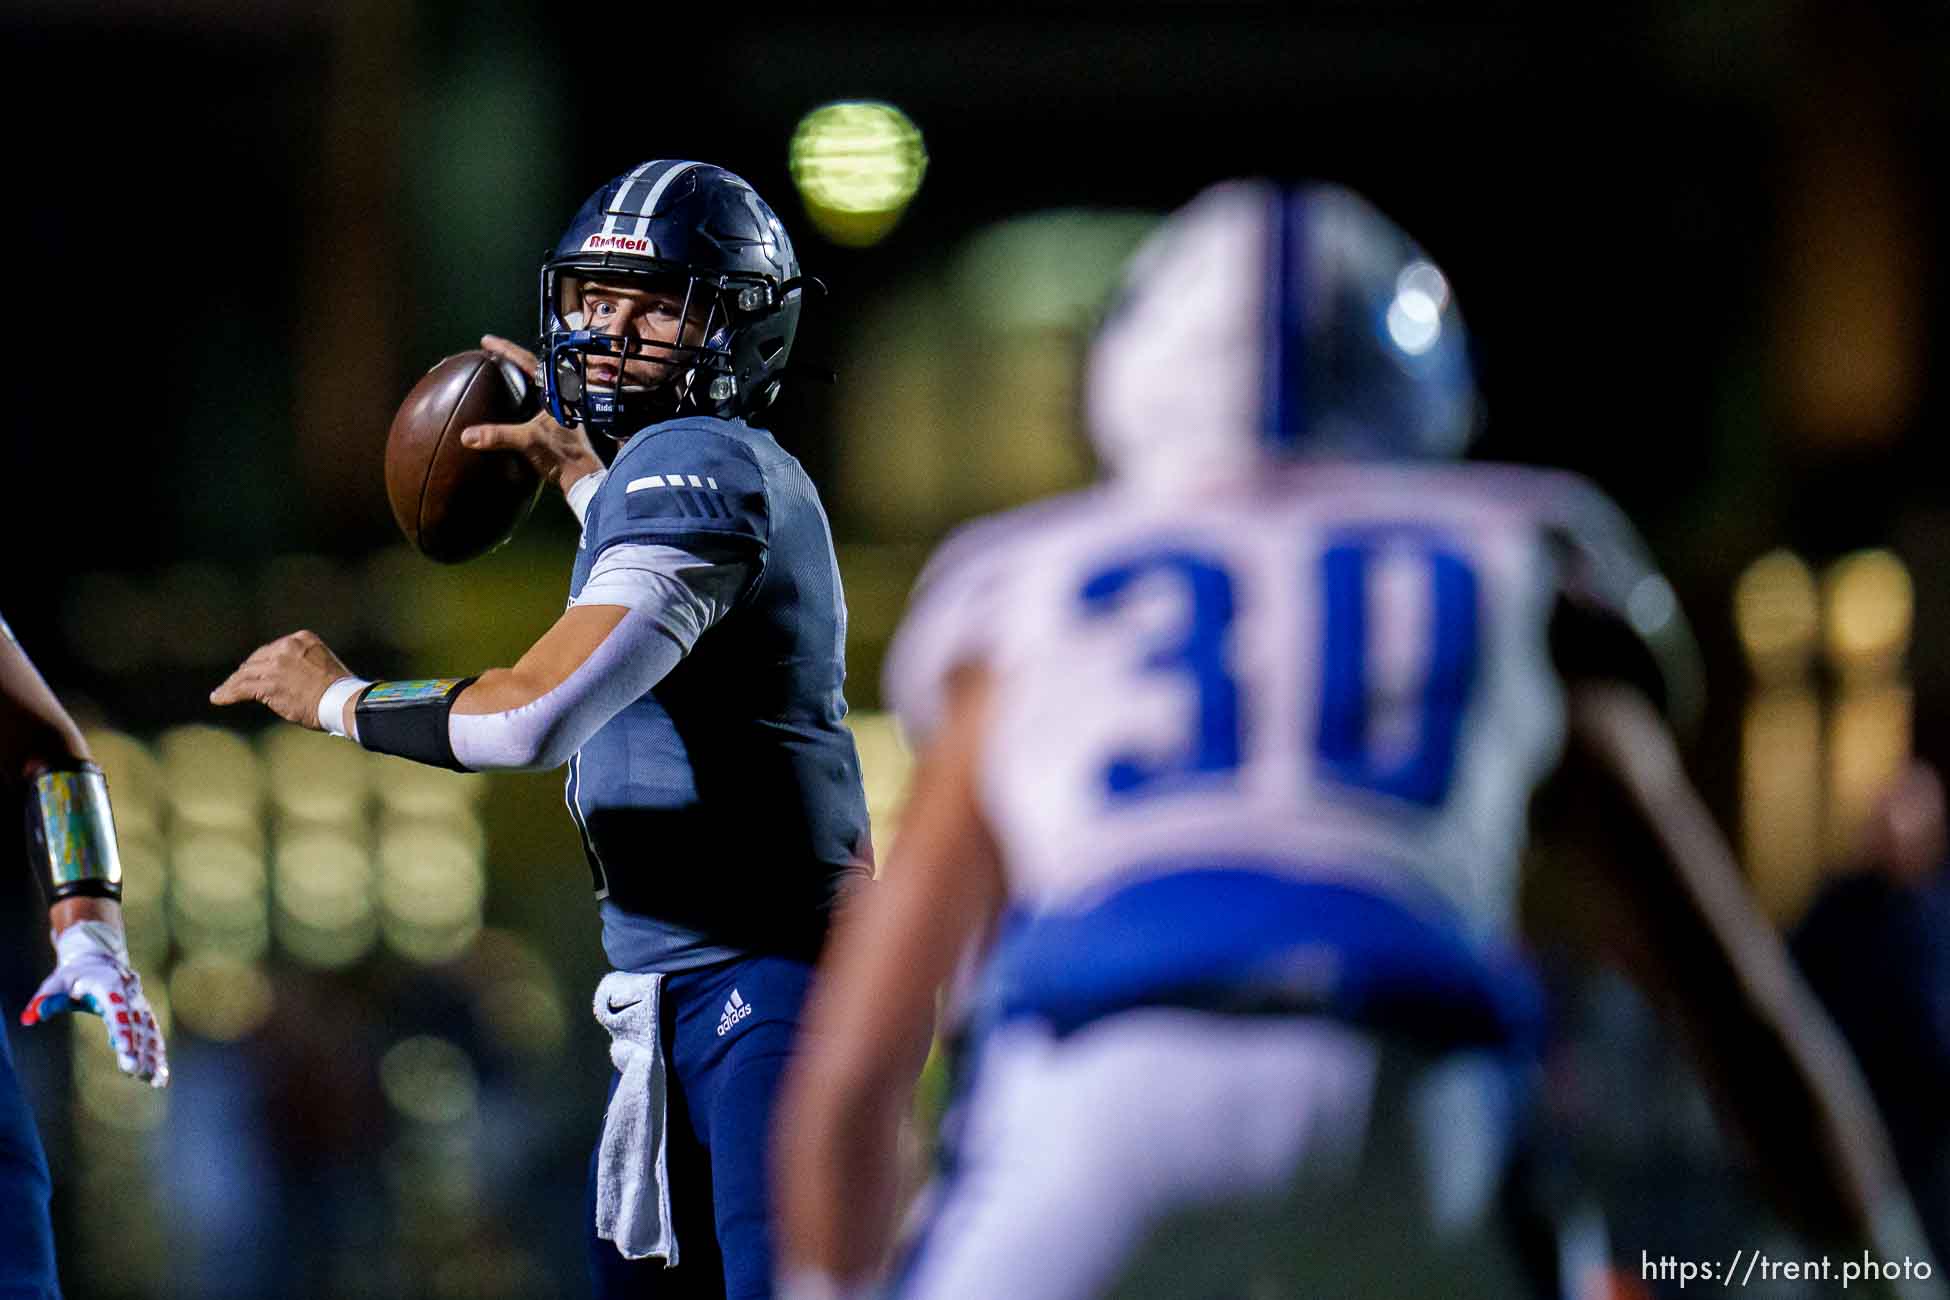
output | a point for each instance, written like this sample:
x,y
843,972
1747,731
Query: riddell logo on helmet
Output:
x,y
616,244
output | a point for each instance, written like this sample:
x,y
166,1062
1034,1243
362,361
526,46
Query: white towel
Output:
x,y
633,1162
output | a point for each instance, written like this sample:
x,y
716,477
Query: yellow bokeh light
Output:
x,y
430,878
415,790
217,871
213,777
1868,606
326,949
430,1080
430,945
857,165
1776,614
217,896
220,998
431,890
324,878
323,886
461,828
315,777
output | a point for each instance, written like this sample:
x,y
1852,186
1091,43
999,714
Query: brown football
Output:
x,y
454,503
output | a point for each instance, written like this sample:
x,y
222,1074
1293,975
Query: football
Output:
x,y
453,503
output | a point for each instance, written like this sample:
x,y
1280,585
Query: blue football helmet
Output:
x,y
1262,322
683,228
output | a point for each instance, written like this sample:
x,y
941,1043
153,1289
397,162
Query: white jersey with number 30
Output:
x,y
1341,672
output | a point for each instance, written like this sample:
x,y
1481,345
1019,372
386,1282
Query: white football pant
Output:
x,y
1168,1153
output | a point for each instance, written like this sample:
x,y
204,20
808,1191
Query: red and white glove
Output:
x,y
92,973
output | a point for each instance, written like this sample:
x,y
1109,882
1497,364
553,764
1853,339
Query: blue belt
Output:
x,y
1248,938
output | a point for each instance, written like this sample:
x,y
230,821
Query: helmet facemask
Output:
x,y
701,237
659,376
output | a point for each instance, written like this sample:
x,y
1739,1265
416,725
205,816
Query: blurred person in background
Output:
x,y
1232,754
71,844
693,688
1875,947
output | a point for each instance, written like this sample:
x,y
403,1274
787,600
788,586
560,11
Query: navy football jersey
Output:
x,y
722,810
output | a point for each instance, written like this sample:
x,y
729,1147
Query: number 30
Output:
x,y
1341,742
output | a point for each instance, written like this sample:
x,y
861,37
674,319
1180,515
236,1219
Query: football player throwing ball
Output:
x,y
692,689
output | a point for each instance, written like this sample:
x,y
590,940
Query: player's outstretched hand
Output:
x,y
93,975
288,676
559,454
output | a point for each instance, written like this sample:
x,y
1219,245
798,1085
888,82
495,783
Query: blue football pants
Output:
x,y
723,1088
26,1231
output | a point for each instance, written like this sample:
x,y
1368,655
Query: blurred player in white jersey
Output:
x,y
1228,761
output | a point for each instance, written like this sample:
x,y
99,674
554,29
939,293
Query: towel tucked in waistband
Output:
x,y
633,1160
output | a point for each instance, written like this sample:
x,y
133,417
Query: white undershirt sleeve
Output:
x,y
673,596
583,491
689,591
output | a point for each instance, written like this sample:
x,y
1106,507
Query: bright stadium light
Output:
x,y
857,164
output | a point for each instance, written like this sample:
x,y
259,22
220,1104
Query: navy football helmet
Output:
x,y
683,229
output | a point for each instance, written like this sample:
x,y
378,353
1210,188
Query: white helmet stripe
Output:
x,y
649,204
618,207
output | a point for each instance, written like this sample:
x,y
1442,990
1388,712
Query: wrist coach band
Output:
x,y
71,833
409,719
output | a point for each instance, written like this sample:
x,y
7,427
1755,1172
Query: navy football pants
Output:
x,y
722,1092
26,1232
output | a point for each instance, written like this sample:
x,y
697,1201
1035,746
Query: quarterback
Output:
x,y
1228,761
693,689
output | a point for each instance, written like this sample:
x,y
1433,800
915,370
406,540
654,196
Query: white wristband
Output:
x,y
583,490
84,938
331,705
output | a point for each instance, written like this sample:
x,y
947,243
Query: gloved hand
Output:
x,y
92,973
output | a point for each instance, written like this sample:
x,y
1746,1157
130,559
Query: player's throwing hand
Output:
x,y
94,975
559,454
288,676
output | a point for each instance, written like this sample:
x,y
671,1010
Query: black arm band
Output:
x,y
409,719
71,832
